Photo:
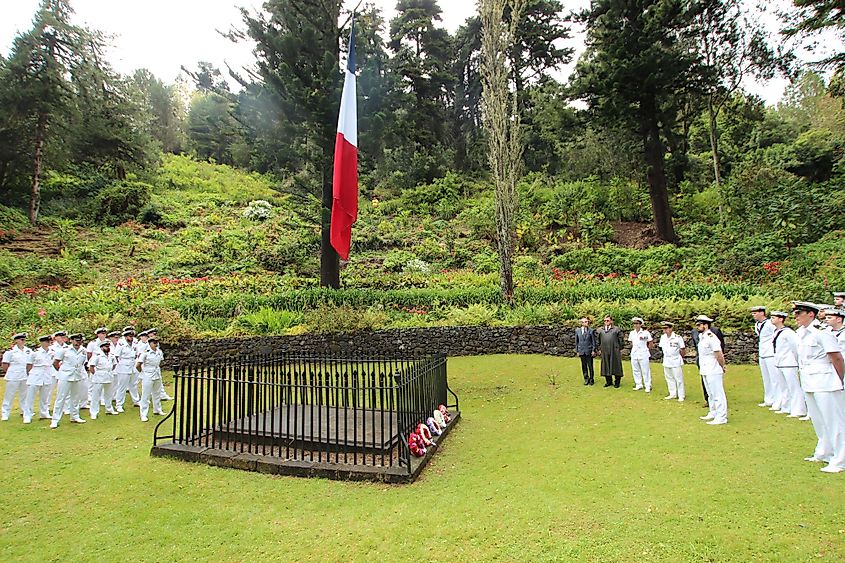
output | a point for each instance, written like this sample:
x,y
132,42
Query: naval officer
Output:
x,y
70,363
39,381
711,364
16,362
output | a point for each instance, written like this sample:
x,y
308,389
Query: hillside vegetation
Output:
x,y
193,250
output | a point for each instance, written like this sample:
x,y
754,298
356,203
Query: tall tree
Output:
x,y
38,87
733,48
812,17
633,71
298,49
502,122
165,108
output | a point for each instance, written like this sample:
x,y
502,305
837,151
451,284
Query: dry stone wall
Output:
x,y
454,341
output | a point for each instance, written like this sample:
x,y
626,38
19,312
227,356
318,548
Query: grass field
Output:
x,y
539,468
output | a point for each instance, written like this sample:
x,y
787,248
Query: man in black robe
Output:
x,y
610,343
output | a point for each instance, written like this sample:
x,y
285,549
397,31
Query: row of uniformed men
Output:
x,y
803,371
84,377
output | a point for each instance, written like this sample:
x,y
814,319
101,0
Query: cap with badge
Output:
x,y
105,344
113,334
101,330
835,311
59,333
129,327
76,336
129,332
144,333
45,338
703,319
152,330
839,294
780,314
20,336
667,324
757,309
805,306
637,320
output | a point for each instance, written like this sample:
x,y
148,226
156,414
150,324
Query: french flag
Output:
x,y
345,182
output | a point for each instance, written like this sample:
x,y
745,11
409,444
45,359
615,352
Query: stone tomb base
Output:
x,y
309,448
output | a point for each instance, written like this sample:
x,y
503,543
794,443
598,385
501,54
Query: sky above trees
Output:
x,y
163,35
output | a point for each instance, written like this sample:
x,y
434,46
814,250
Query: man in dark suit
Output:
x,y
715,330
585,347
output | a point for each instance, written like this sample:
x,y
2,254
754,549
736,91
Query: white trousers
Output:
x,y
100,392
14,388
796,405
134,379
717,400
780,387
642,372
69,394
827,411
84,396
44,392
766,367
675,381
121,386
150,389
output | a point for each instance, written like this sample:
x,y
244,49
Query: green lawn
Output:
x,y
534,471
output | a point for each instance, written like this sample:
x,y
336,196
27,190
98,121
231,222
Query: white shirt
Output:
x,y
73,361
102,365
42,367
840,337
672,346
93,348
18,359
150,361
816,369
54,349
786,348
639,340
708,345
125,354
765,331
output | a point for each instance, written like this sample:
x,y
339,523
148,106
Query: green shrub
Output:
x,y
121,201
473,315
344,319
268,321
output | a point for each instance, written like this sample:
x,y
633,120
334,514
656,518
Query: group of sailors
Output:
x,y
99,374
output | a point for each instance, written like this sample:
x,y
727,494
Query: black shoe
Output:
x,y
608,384
592,382
586,382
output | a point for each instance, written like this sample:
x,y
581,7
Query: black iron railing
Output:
x,y
342,410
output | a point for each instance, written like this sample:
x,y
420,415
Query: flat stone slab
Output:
x,y
273,465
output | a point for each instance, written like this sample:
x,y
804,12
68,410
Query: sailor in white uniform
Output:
x,y
839,299
765,332
140,346
16,362
102,379
711,364
821,367
153,333
70,362
92,349
60,340
149,364
40,381
835,318
672,346
125,369
785,343
641,342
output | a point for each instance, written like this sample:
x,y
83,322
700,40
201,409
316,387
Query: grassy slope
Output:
x,y
533,472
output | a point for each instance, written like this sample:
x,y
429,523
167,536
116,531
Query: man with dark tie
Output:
x,y
585,347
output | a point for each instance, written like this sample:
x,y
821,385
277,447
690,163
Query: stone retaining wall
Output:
x,y
454,341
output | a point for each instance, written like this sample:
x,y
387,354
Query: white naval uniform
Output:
x,y
640,355
139,346
786,362
673,364
92,348
713,375
824,394
40,381
150,361
102,381
54,348
124,370
18,359
69,391
765,332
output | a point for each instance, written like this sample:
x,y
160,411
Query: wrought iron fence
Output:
x,y
333,409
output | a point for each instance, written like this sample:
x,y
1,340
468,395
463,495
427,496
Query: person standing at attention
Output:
x,y
822,368
785,344
149,364
17,361
673,361
765,331
585,347
610,342
712,366
40,381
641,343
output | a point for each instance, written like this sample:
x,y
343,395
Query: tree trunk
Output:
x,y
329,260
37,170
714,147
656,174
